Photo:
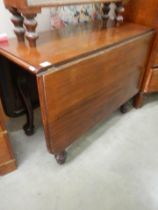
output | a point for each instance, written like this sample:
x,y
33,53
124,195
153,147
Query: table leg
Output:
x,y
61,157
23,90
139,100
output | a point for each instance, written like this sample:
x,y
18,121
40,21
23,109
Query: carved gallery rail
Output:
x,y
25,11
80,85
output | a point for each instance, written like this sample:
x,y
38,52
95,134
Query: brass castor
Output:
x,y
125,108
61,157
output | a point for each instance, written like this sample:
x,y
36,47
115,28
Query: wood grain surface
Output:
x,y
70,43
75,97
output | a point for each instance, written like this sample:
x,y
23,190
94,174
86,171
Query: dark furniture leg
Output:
x,y
139,100
61,157
29,126
125,107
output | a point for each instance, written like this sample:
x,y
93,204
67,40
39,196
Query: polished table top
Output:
x,y
60,46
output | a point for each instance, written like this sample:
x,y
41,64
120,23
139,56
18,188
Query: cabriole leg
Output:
x,y
23,90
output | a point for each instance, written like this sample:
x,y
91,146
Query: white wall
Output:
x,y
7,27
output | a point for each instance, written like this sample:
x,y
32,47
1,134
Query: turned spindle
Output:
x,y
112,15
119,13
106,9
18,20
30,25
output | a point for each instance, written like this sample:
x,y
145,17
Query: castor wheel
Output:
x,y
29,131
125,108
61,157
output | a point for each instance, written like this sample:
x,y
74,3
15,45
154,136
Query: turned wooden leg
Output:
x,y
109,14
30,25
119,13
106,9
125,107
23,90
61,157
18,20
139,100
